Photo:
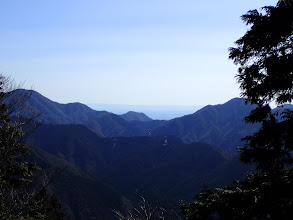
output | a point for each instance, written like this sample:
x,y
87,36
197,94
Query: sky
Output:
x,y
134,52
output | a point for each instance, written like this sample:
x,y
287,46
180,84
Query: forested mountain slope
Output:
x,y
82,195
219,125
163,167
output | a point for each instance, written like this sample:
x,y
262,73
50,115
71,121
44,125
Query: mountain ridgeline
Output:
x,y
218,125
103,123
111,157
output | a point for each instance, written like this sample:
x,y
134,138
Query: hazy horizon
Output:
x,y
156,112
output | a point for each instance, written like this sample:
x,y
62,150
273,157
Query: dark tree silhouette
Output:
x,y
265,58
22,195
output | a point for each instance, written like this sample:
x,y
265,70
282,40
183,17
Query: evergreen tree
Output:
x,y
265,58
22,196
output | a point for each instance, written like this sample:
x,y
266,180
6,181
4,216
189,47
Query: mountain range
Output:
x,y
111,157
103,123
218,125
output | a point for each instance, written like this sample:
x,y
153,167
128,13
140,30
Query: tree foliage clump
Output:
x,y
22,195
265,58
265,55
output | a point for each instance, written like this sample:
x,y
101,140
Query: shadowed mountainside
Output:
x,y
219,125
163,167
82,195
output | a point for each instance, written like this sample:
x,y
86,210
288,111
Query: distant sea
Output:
x,y
156,112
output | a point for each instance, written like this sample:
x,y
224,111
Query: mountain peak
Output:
x,y
136,116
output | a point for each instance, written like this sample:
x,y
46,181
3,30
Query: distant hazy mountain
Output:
x,y
157,112
164,168
135,116
219,125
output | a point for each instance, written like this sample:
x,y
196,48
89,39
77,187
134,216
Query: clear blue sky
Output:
x,y
148,52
